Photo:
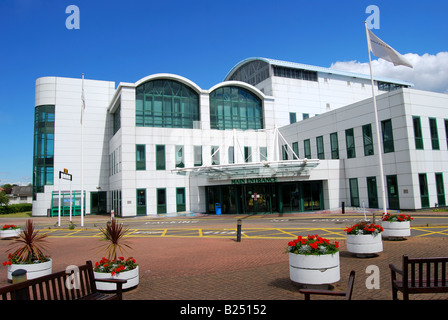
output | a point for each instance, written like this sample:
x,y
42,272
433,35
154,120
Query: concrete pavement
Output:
x,y
223,269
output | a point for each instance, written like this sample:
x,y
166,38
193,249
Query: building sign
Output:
x,y
254,180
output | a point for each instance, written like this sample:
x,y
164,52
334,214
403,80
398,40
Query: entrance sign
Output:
x,y
254,180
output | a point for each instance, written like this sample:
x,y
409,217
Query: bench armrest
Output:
x,y
394,269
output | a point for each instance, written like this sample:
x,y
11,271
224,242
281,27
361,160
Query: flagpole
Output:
x,y
82,153
380,157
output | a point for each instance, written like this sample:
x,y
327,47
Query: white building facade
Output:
x,y
163,145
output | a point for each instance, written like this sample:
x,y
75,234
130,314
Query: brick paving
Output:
x,y
223,269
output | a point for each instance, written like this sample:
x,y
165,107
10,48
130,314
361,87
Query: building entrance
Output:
x,y
265,197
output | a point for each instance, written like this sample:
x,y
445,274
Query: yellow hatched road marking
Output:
x,y
250,233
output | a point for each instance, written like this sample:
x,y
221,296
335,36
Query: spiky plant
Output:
x,y
114,234
31,244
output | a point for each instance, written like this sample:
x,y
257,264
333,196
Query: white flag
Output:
x,y
382,50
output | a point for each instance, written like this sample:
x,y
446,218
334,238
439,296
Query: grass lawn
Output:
x,y
26,214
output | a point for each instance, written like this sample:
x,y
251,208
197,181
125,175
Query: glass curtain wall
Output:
x,y
166,103
235,108
43,153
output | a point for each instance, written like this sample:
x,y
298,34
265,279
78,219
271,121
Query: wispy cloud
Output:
x,y
430,72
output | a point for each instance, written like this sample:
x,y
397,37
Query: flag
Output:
x,y
382,50
83,100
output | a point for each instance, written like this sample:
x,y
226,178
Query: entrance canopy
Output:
x,y
285,168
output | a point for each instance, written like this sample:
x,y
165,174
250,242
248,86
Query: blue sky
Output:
x,y
124,41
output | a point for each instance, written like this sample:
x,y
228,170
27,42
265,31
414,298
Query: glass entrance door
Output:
x,y
372,192
392,192
98,202
257,199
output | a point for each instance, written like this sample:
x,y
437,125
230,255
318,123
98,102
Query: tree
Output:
x,y
4,199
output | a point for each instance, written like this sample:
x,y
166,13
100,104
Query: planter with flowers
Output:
x,y
113,266
396,225
313,260
29,256
364,239
10,231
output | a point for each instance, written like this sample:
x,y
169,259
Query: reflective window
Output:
x,y
43,154
166,103
235,108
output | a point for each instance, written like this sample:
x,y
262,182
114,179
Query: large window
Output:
x,y
302,74
117,120
179,157
354,193
295,148
307,148
43,154
166,103
197,156
140,157
388,137
434,134
418,133
368,139
350,141
160,157
334,144
215,155
235,108
320,147
440,189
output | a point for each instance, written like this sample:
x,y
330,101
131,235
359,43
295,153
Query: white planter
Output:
x,y
132,277
314,269
10,233
364,244
396,228
33,271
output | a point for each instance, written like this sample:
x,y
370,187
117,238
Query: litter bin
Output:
x,y
218,208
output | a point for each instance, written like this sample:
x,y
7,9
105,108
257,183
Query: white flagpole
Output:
x,y
82,153
380,157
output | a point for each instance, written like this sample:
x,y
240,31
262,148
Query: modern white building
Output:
x,y
261,141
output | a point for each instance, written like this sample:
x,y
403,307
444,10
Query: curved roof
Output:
x,y
302,66
170,76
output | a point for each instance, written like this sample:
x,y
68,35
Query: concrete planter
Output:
x,y
132,277
13,233
314,269
33,271
396,228
364,245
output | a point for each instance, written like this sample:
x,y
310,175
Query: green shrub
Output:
x,y
15,208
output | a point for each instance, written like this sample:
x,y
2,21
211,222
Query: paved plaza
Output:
x,y
195,268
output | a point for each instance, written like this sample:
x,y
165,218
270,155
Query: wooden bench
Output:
x,y
419,275
62,286
347,293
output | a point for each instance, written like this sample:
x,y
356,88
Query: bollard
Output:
x,y
18,276
238,230
343,207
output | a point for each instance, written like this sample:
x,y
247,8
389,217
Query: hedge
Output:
x,y
15,208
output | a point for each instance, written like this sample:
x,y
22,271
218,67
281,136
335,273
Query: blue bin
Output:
x,y
218,208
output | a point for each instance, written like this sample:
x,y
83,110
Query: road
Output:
x,y
254,227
